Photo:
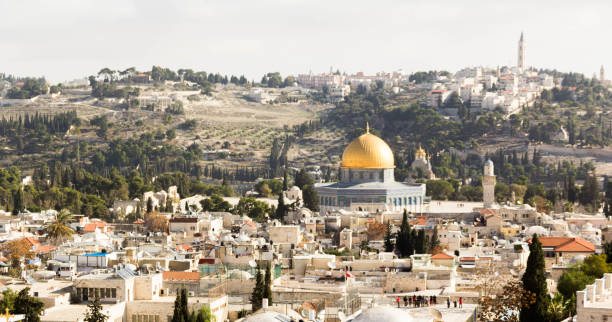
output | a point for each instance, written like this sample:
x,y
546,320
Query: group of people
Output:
x,y
420,301
448,301
417,301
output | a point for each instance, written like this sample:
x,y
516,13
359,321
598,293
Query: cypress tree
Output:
x,y
388,242
184,305
534,281
281,211
285,186
405,244
434,242
177,315
421,242
267,291
257,294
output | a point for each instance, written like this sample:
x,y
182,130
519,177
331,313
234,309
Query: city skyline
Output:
x,y
296,37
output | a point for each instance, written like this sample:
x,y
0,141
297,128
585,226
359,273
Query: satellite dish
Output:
x,y
253,263
435,314
331,265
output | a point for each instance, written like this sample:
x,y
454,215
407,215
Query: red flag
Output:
x,y
349,275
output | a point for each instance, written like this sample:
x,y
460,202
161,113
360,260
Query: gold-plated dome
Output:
x,y
420,153
368,151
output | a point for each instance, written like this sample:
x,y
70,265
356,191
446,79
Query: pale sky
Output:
x,y
63,39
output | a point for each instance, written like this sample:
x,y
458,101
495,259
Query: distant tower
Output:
x,y
521,53
602,75
488,185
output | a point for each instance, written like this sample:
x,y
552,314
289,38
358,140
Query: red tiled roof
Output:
x,y
90,227
567,244
250,223
442,256
467,259
180,276
45,248
138,221
31,241
419,221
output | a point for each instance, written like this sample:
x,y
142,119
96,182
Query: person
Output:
x,y
398,301
435,300
414,300
405,301
455,303
448,302
410,300
461,302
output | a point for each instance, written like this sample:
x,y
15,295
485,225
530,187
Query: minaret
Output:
x,y
488,185
521,53
602,76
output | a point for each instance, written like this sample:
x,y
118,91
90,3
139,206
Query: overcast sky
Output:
x,y
64,39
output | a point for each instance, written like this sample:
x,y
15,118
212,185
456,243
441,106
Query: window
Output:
x,y
108,292
114,293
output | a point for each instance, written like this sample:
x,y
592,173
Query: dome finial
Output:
x,y
367,127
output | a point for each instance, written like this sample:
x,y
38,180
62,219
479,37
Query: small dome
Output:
x,y
489,163
368,151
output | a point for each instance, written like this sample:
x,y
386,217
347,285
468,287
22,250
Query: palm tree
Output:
x,y
58,230
559,307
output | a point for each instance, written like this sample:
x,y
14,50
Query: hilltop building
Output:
x,y
421,161
367,181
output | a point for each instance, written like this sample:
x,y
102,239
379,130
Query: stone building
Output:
x,y
367,181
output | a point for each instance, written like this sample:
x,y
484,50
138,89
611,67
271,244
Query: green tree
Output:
x,y
253,208
181,309
534,281
281,210
258,291
388,242
303,179
404,243
8,300
434,241
311,198
94,312
439,189
149,205
58,230
30,306
267,292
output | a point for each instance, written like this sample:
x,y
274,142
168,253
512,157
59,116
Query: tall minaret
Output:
x,y
488,185
521,53
602,76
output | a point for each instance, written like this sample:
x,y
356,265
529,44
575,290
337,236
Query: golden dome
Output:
x,y
420,153
368,152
